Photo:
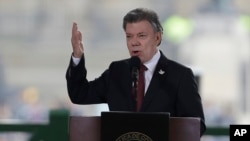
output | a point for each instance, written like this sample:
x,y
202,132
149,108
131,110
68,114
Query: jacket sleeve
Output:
x,y
189,99
80,90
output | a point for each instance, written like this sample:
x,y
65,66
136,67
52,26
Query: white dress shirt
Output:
x,y
151,65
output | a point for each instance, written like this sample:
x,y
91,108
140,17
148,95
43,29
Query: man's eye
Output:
x,y
128,36
142,36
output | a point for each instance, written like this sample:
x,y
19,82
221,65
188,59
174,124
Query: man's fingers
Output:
x,y
74,28
76,35
81,46
76,41
80,36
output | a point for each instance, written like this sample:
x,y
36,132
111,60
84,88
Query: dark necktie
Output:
x,y
141,87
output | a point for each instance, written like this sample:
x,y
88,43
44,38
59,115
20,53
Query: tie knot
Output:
x,y
143,68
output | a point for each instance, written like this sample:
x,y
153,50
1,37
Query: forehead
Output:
x,y
138,27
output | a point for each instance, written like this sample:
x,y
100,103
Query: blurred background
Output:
x,y
210,36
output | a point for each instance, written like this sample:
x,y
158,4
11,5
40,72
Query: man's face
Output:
x,y
142,40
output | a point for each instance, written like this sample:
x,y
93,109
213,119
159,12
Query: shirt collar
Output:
x,y
151,64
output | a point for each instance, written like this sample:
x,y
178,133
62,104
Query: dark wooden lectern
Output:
x,y
88,129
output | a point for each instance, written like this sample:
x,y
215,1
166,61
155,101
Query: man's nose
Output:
x,y
135,42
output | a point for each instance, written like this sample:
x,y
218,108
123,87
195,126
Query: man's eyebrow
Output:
x,y
128,34
142,33
136,33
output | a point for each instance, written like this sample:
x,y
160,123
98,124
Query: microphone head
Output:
x,y
135,62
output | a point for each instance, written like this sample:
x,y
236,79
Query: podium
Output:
x,y
88,128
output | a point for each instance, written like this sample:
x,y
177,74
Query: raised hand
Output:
x,y
76,41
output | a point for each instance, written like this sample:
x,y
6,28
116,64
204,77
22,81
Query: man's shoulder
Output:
x,y
119,64
177,65
171,64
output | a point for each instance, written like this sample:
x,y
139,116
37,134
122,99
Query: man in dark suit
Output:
x,y
169,86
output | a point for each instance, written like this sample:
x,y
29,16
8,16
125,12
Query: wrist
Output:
x,y
77,55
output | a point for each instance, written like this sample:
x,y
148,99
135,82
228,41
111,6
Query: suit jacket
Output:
x,y
172,89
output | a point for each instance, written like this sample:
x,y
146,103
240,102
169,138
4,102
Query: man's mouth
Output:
x,y
135,52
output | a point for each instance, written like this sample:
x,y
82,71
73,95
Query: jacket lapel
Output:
x,y
157,81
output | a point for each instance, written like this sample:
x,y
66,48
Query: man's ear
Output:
x,y
158,38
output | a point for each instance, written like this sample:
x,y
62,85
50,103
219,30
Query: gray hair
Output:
x,y
140,14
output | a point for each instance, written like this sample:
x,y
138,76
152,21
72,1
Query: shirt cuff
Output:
x,y
76,60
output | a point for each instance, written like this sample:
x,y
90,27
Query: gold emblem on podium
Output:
x,y
134,136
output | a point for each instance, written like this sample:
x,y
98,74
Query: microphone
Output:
x,y
135,65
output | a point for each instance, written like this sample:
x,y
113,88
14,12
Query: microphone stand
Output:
x,y
135,65
135,76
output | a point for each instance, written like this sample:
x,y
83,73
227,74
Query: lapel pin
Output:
x,y
161,72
